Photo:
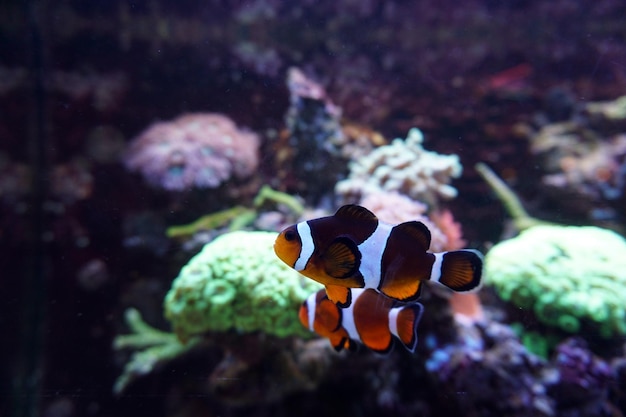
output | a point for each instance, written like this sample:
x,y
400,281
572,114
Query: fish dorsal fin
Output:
x,y
417,232
461,270
342,258
340,341
354,212
339,295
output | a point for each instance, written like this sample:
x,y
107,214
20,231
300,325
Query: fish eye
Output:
x,y
290,235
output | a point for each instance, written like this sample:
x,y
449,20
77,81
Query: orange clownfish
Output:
x,y
353,249
371,320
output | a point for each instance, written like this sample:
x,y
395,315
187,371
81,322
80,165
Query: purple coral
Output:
x,y
199,150
492,371
582,379
498,376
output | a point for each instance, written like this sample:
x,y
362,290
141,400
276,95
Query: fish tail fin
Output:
x,y
461,270
406,320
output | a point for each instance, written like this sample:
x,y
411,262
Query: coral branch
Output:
x,y
267,193
157,348
237,216
521,219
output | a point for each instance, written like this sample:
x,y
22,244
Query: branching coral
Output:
x,y
194,150
236,217
157,348
239,216
403,166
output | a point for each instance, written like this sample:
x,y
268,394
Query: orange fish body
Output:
x,y
353,249
372,319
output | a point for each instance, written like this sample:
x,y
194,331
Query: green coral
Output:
x,y
521,219
237,217
612,110
568,275
154,348
237,282
266,193
540,344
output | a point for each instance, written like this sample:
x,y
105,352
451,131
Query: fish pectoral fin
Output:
x,y
342,258
340,341
417,232
351,345
406,324
339,295
461,270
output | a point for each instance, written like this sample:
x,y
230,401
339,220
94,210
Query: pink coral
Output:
x,y
195,150
445,222
394,208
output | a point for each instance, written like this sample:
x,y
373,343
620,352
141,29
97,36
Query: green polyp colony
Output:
x,y
571,277
237,282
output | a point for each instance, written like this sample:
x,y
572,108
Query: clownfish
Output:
x,y
353,249
371,320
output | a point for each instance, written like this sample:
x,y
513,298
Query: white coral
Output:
x,y
403,166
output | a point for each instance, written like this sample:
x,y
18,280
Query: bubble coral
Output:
x,y
403,166
236,282
195,150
